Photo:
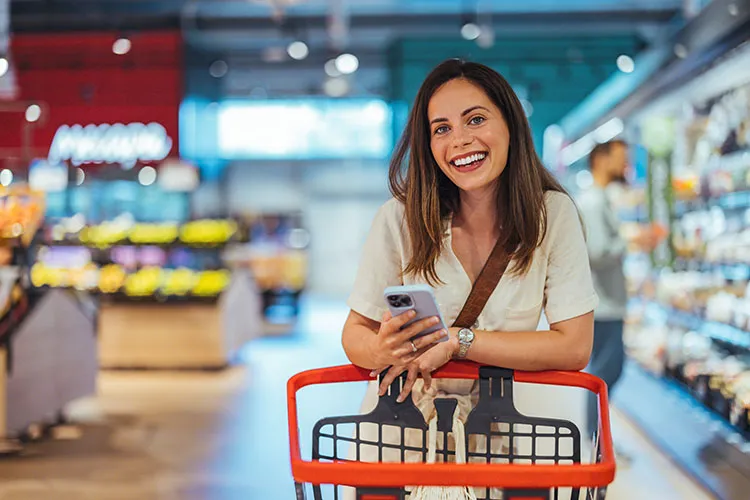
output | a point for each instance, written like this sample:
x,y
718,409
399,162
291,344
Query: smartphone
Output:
x,y
403,298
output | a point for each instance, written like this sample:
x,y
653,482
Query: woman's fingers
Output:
x,y
411,378
427,377
416,328
421,344
393,373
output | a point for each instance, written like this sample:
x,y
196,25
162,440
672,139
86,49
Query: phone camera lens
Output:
x,y
400,300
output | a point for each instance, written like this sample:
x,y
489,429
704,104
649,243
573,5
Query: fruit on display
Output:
x,y
105,234
178,282
111,278
211,283
208,231
43,275
21,212
144,282
159,234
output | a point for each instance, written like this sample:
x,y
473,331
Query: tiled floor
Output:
x,y
222,436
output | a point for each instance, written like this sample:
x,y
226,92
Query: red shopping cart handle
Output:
x,y
513,475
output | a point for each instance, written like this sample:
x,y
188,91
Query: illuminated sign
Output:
x,y
105,143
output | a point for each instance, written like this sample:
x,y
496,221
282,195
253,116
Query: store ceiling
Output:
x,y
252,35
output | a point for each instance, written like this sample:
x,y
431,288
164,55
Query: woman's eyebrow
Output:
x,y
464,113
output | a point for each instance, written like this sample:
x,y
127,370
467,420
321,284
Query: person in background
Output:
x,y
609,163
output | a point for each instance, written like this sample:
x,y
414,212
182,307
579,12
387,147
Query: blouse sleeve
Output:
x,y
380,263
569,289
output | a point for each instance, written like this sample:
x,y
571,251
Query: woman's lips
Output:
x,y
470,167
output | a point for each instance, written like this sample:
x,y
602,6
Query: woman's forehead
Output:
x,y
454,97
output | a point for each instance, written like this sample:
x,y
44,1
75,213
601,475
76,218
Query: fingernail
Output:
x,y
372,373
412,313
399,399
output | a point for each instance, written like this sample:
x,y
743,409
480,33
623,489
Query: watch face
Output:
x,y
466,335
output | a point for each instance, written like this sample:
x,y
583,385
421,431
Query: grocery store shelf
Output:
x,y
727,334
733,271
699,441
738,200
127,243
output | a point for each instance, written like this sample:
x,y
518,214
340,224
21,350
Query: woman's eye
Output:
x,y
476,120
441,130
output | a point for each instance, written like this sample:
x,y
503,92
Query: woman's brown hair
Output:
x,y
429,197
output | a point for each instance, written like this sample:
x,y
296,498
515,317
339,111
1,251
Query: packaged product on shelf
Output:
x,y
111,278
720,382
144,282
739,411
178,282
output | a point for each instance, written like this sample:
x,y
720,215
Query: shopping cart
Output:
x,y
511,473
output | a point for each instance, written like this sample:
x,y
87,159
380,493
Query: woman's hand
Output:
x,y
432,359
393,347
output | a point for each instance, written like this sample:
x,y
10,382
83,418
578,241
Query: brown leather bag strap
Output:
x,y
484,285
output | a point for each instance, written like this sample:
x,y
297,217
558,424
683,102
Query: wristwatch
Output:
x,y
465,339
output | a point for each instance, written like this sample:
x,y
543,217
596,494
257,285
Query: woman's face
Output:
x,y
468,135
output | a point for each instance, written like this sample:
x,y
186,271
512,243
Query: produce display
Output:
x,y
207,232
147,281
21,212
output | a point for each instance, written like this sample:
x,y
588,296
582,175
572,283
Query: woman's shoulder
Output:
x,y
559,204
391,215
563,216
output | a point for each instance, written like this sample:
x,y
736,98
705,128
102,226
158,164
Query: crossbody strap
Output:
x,y
484,285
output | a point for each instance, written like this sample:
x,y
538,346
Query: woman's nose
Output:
x,y
462,137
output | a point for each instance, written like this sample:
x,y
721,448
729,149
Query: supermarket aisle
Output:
x,y
222,436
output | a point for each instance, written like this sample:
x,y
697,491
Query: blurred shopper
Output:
x,y
609,163
464,177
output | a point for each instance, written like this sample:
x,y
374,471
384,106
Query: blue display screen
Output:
x,y
304,129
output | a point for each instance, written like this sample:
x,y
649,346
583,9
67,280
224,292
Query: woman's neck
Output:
x,y
477,213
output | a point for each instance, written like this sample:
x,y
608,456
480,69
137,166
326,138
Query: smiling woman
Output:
x,y
468,184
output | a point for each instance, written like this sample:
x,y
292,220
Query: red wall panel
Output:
x,y
77,79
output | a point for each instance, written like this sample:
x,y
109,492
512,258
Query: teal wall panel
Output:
x,y
556,72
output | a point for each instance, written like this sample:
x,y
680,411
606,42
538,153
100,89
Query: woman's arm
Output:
x,y
358,338
566,346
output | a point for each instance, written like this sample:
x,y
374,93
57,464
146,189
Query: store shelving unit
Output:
x,y
714,453
47,345
147,318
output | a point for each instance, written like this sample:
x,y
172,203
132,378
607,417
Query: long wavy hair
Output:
x,y
430,197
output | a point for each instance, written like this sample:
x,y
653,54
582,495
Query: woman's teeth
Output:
x,y
462,162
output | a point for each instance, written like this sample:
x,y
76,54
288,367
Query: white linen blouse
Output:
x,y
558,281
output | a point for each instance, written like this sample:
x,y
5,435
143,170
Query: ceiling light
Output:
x,y
4,66
336,87
33,113
121,46
347,63
680,51
625,64
218,69
298,50
147,176
331,69
470,31
6,177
